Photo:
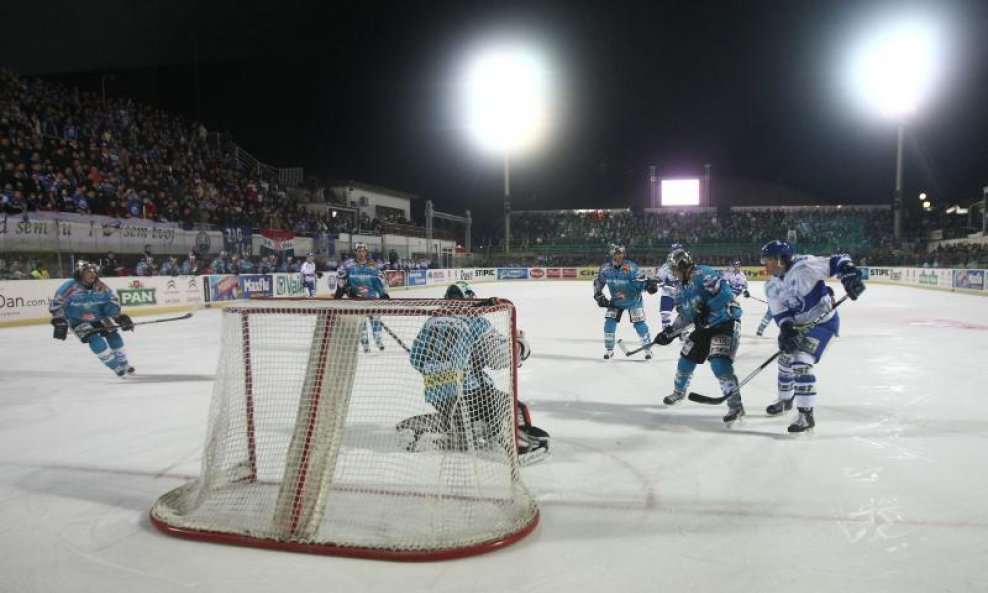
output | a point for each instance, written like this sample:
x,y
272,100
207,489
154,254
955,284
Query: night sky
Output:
x,y
363,90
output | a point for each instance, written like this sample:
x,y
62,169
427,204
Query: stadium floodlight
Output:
x,y
893,71
506,103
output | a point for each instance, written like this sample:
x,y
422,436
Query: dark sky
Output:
x,y
362,91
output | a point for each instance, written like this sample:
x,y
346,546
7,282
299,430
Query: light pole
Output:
x,y
506,106
507,202
897,196
894,71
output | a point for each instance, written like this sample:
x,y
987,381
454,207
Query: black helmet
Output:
x,y
82,266
458,291
681,260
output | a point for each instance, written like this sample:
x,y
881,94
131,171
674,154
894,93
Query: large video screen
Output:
x,y
680,192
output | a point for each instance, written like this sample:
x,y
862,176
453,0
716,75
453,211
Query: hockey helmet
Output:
x,y
310,256
616,249
780,249
359,246
675,246
458,291
82,266
736,263
681,261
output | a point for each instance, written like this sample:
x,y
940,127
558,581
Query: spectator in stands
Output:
x,y
190,266
219,264
170,267
145,266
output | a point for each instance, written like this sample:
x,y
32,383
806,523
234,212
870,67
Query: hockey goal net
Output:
x,y
378,429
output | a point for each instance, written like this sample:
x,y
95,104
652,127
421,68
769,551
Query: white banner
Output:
x,y
46,232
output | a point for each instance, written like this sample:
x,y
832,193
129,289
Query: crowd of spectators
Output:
x,y
860,229
65,150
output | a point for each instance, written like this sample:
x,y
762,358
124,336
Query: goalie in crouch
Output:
x,y
453,352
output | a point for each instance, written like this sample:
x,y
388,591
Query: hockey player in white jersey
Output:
x,y
770,289
625,282
669,286
737,280
798,297
308,275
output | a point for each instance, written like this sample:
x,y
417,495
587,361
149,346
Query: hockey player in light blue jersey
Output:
x,y
798,297
361,279
668,287
706,301
737,279
625,282
89,308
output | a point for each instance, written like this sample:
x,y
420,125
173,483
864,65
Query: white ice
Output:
x,y
889,494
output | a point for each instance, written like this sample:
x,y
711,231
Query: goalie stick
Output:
x,y
114,327
706,399
627,352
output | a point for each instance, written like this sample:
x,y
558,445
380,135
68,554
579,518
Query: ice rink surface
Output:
x,y
889,494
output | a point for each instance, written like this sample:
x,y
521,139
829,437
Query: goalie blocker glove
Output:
x,y
61,328
850,277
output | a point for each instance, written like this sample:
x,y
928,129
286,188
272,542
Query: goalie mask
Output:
x,y
458,291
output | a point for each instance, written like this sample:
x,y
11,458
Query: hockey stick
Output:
x,y
706,399
758,299
394,336
107,329
627,352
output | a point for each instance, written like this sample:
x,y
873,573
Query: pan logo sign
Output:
x,y
137,295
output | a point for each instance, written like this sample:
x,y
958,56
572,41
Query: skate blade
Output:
x,y
808,433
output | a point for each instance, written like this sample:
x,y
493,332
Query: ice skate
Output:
x,y
674,398
804,422
734,416
780,406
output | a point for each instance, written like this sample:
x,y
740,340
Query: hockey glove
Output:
x,y
789,338
602,301
651,287
850,277
125,322
746,294
61,328
664,337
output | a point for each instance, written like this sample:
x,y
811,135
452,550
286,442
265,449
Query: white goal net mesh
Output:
x,y
364,428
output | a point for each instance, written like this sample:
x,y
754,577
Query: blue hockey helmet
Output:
x,y
780,249
680,260
458,291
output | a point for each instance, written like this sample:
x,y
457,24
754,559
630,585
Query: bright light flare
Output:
x,y
506,99
896,69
